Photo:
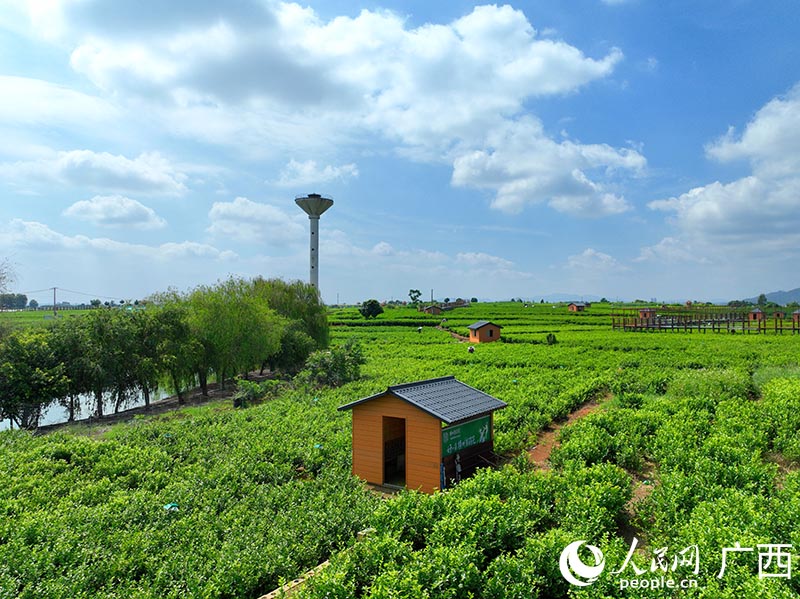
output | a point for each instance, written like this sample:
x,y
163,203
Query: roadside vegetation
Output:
x,y
175,341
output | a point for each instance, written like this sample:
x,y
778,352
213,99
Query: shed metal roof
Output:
x,y
444,398
482,323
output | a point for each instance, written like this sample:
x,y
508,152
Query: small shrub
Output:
x,y
247,392
334,367
371,309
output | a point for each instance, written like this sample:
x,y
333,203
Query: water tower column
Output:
x,y
313,270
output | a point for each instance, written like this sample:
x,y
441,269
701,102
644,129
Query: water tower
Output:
x,y
314,205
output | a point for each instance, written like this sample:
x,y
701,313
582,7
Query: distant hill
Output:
x,y
780,297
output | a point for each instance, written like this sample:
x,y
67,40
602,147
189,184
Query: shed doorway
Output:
x,y
394,451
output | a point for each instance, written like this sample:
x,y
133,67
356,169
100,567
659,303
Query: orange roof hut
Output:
x,y
484,331
422,435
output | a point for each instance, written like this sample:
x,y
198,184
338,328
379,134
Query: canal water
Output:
x,y
57,414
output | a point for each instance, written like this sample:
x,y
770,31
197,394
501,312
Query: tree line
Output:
x,y
13,301
179,340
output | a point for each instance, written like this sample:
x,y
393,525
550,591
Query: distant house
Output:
x,y
779,315
757,314
796,316
647,313
484,331
422,435
458,303
576,307
435,310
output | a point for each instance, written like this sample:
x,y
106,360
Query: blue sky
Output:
x,y
618,148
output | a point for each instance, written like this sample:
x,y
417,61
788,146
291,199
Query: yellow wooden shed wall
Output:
x,y
423,442
481,335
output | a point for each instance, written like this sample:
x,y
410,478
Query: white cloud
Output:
x,y
451,274
491,57
383,249
254,70
650,65
27,234
297,174
771,140
194,249
26,101
338,245
599,204
524,166
590,260
115,211
443,85
266,77
36,115
670,250
755,215
248,221
148,173
749,215
480,260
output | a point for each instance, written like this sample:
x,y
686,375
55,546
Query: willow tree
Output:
x,y
31,377
104,353
307,321
69,340
235,330
178,350
298,302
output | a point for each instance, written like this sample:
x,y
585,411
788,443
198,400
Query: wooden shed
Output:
x,y
576,307
647,313
484,331
435,310
422,435
757,314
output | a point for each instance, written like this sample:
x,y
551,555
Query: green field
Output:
x,y
24,318
696,446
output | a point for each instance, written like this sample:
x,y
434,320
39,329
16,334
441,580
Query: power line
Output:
x,y
92,295
97,295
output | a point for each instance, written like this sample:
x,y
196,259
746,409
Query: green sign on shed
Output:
x,y
468,434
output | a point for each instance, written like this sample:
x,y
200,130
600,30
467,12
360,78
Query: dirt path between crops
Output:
x,y
643,480
461,338
547,440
